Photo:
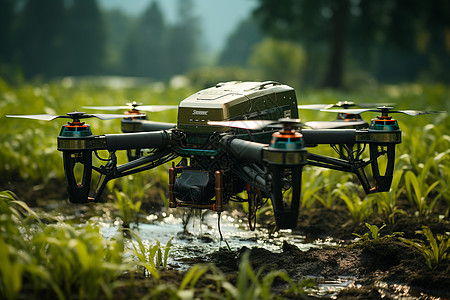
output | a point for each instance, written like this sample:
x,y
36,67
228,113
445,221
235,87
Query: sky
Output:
x,y
218,18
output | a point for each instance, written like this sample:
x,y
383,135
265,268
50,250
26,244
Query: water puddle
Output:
x,y
329,288
195,238
403,292
202,236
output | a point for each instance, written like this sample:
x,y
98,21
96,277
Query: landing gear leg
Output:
x,y
254,202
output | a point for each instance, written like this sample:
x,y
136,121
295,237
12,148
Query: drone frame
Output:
x,y
263,165
264,157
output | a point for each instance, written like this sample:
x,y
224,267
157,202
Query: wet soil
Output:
x,y
390,263
389,269
336,223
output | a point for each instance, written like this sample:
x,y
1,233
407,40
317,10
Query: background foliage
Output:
x,y
54,58
29,156
342,43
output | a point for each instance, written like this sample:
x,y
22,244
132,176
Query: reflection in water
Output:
x,y
196,237
200,235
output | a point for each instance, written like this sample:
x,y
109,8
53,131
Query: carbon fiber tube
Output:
x,y
144,126
123,141
246,150
329,136
154,126
255,176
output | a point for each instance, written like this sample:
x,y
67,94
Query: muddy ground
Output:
x,y
386,270
389,269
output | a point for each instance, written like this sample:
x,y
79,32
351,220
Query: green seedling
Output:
x,y
80,259
375,236
359,208
319,186
129,209
437,250
428,181
311,188
187,290
56,259
16,256
418,190
387,202
255,285
249,284
150,258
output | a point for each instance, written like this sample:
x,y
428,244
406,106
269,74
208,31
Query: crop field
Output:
x,y
48,249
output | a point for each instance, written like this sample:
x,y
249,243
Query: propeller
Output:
x,y
261,124
258,124
315,106
244,124
342,104
347,117
335,124
135,106
75,116
384,110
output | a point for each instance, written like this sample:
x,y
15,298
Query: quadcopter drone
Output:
x,y
233,138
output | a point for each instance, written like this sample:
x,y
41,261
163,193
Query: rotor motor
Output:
x,y
76,132
383,172
286,157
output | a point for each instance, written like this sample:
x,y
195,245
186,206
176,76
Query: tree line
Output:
x,y
343,43
393,40
54,38
329,43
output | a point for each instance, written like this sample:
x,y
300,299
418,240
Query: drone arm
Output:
x,y
146,162
78,150
341,165
279,162
314,137
135,140
328,162
111,171
329,136
113,142
133,125
381,142
244,150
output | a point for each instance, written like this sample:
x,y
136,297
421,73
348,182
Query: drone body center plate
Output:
x,y
236,101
